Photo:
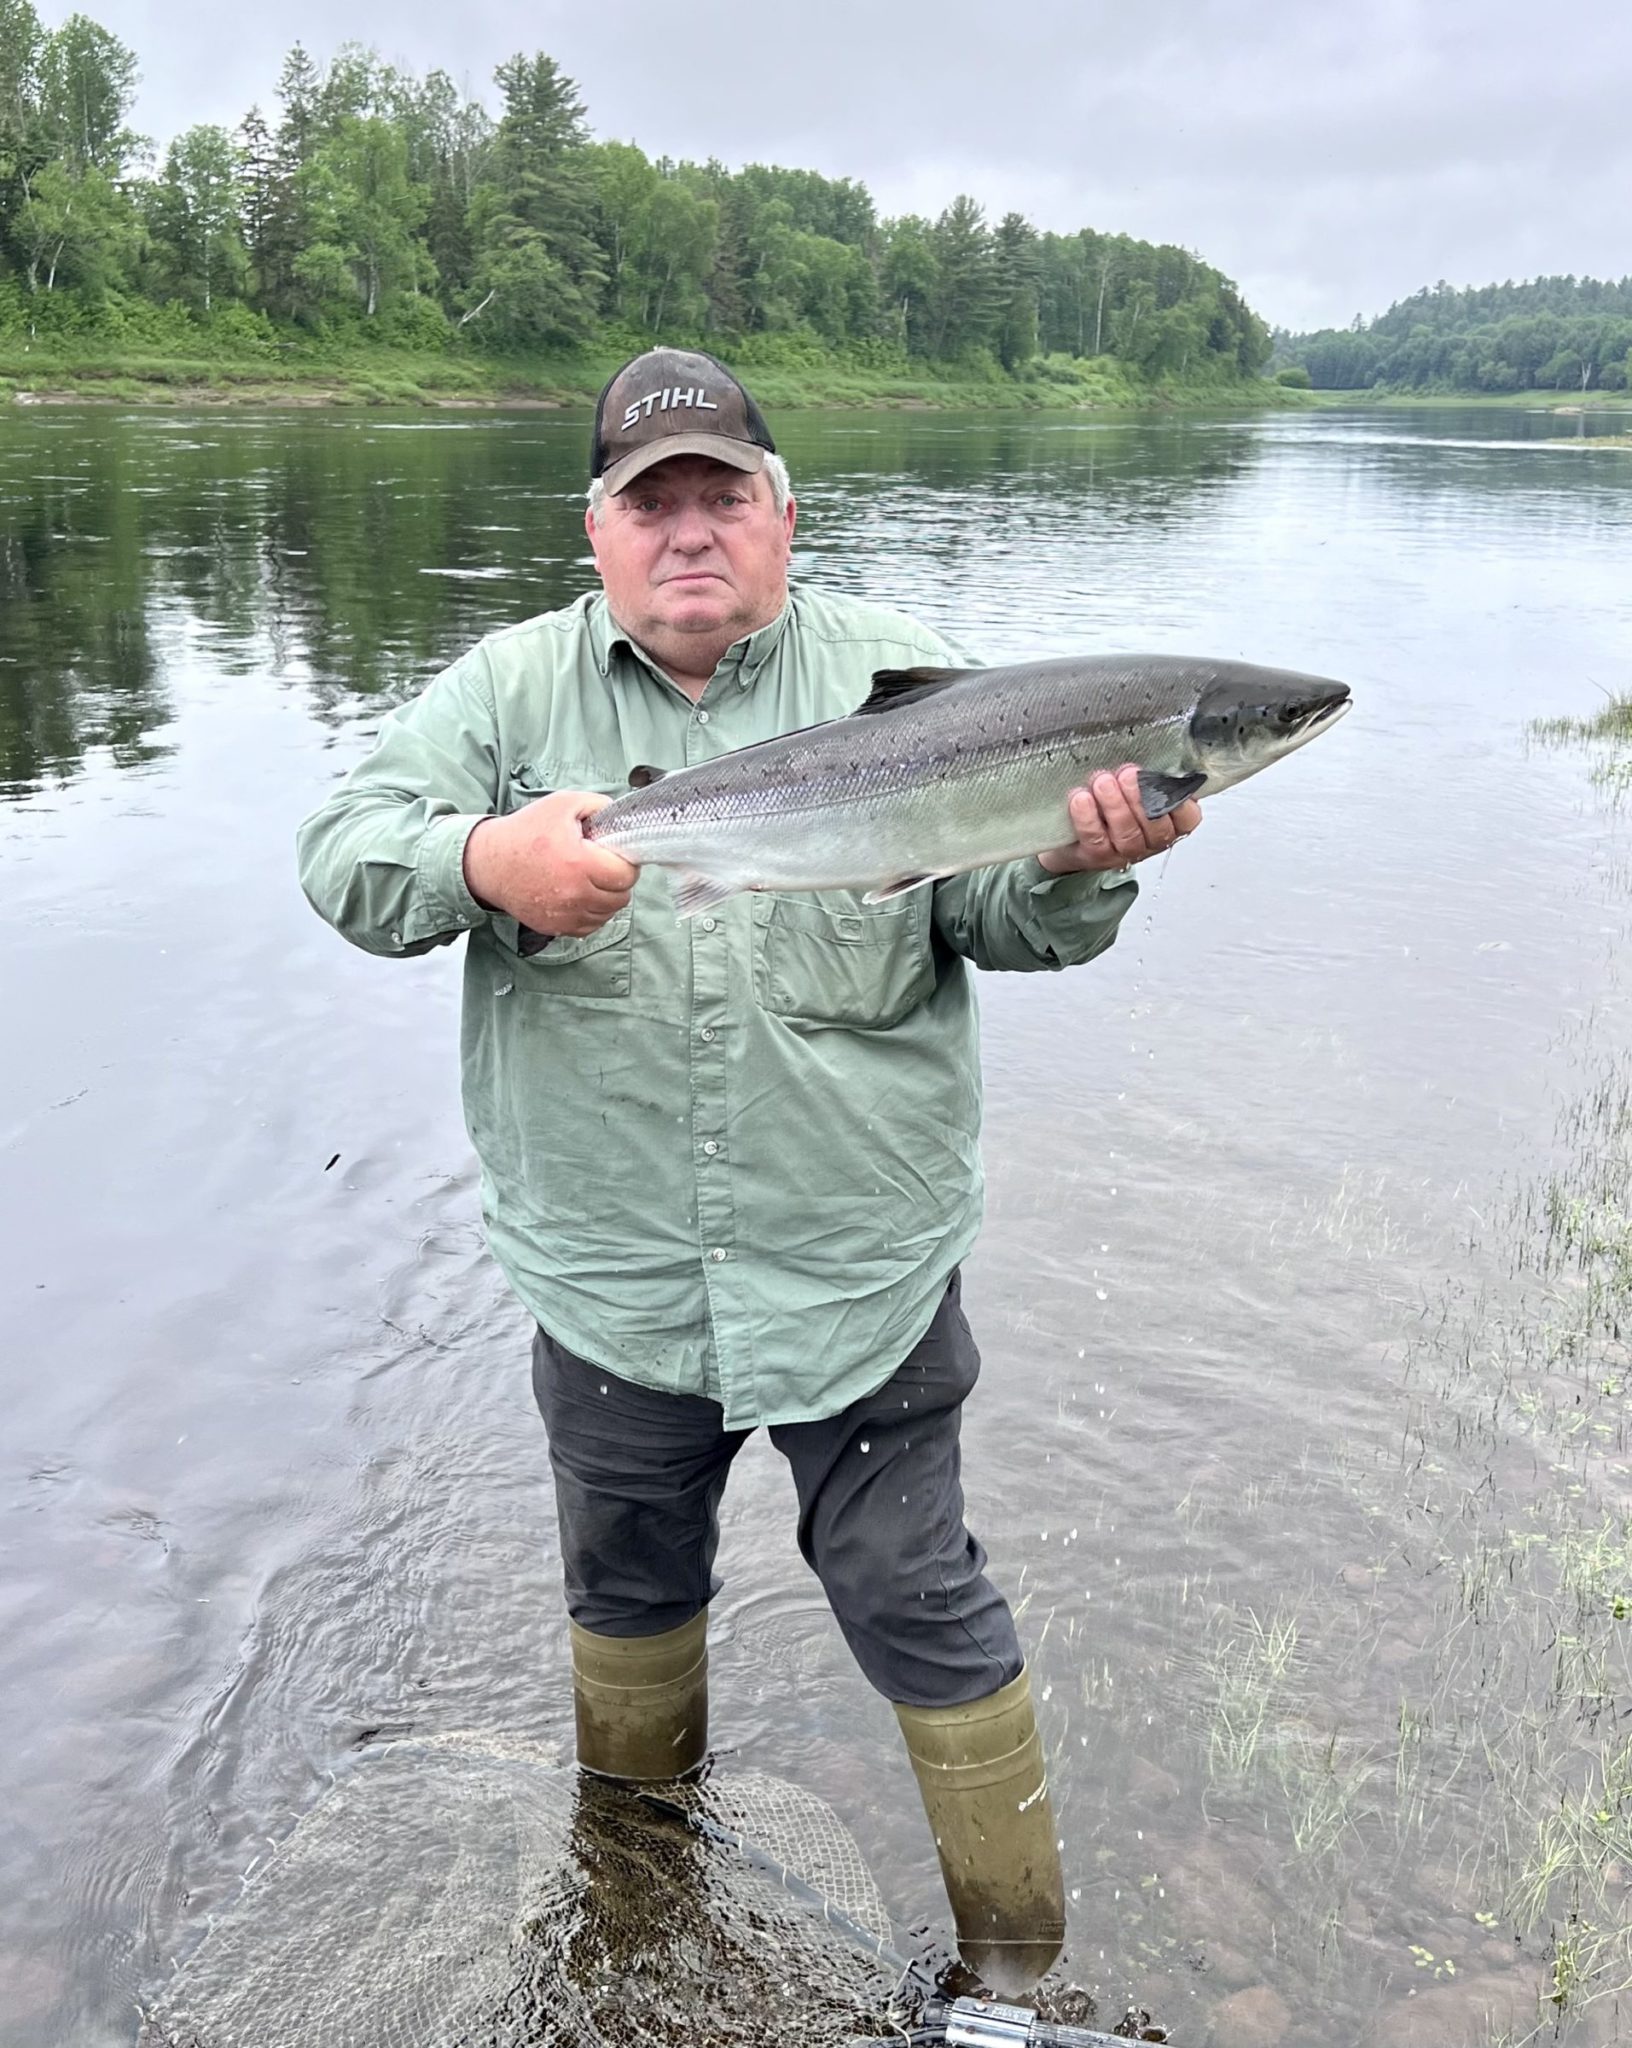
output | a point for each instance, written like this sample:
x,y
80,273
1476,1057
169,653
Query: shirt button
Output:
x,y
707,1034
711,924
702,718
711,1146
717,1254
396,938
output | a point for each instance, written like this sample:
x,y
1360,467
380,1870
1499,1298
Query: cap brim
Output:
x,y
742,455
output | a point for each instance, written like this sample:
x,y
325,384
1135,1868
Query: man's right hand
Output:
x,y
537,867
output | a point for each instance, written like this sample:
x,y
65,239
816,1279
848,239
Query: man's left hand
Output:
x,y
1112,829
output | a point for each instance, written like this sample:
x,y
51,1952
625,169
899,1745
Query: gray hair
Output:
x,y
775,473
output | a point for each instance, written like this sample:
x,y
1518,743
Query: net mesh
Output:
x,y
467,1892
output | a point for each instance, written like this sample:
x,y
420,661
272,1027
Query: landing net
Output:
x,y
469,1892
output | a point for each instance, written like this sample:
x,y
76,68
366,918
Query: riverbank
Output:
x,y
1486,401
395,377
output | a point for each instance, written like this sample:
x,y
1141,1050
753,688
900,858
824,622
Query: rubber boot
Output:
x,y
985,1789
642,1701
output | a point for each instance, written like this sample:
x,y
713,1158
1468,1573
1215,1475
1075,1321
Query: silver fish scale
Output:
x,y
976,773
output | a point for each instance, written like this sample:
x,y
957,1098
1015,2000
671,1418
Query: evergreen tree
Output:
x,y
1018,263
257,196
964,306
538,274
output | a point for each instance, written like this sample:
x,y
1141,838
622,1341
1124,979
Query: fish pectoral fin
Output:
x,y
892,686
644,776
886,890
693,893
1163,793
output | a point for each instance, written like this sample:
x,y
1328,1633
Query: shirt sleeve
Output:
x,y
1019,918
382,857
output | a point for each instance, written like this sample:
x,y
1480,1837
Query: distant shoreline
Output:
x,y
1488,401
463,384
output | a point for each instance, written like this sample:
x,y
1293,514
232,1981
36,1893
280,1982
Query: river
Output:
x,y
1293,1516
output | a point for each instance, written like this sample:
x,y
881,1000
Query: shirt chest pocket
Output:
x,y
830,960
599,964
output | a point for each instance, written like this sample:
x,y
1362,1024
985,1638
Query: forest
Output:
x,y
1546,334
366,206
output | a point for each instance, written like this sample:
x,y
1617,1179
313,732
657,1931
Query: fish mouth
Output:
x,y
1318,711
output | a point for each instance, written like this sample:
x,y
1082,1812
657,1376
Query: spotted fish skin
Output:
x,y
940,771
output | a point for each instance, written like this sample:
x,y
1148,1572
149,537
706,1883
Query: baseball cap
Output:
x,y
674,401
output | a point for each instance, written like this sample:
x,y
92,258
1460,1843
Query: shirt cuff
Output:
x,y
1072,917
446,902
1081,885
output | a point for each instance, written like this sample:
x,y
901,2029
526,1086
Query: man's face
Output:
x,y
693,549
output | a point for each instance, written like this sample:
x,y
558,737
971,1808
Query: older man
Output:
x,y
730,1166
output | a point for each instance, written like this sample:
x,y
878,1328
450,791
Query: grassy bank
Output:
x,y
30,373
1503,401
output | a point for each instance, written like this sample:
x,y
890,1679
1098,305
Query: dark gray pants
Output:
x,y
638,1481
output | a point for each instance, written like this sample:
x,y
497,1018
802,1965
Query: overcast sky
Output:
x,y
1330,155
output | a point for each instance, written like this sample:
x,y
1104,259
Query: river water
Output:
x,y
270,1476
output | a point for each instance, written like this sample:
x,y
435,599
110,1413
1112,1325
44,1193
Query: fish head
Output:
x,y
1247,717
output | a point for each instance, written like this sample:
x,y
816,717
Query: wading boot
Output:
x,y
980,1770
642,1701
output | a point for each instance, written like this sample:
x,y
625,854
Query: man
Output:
x,y
730,1165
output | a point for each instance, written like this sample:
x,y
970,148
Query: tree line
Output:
x,y
368,203
1546,334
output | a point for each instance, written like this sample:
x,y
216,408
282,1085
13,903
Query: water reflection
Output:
x,y
77,668
356,556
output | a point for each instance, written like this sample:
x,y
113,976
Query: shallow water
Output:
x,y
271,1478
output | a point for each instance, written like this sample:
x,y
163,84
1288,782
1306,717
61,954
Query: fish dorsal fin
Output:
x,y
892,686
644,776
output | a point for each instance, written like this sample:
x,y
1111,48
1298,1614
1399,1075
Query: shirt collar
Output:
x,y
741,662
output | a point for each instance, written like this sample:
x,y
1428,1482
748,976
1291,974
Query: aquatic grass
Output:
x,y
1613,722
1499,1803
1250,1668
1328,1791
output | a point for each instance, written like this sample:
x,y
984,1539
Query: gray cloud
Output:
x,y
1329,159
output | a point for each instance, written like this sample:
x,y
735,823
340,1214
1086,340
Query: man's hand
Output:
x,y
537,867
1112,829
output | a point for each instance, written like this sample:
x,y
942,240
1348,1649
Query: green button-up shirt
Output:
x,y
735,1157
